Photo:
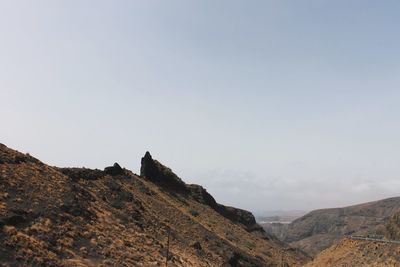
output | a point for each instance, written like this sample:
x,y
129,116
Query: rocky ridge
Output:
x,y
156,172
53,216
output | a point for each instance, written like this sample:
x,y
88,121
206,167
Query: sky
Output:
x,y
270,105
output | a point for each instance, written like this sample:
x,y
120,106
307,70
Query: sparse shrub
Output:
x,y
194,213
145,190
230,236
249,245
267,253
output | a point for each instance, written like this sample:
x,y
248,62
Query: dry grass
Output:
x,y
358,253
54,220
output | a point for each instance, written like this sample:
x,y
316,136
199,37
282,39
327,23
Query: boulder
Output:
x,y
114,170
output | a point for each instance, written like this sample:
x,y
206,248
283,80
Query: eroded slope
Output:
x,y
81,217
320,229
349,252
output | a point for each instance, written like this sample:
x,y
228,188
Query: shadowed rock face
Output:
x,y
89,174
114,170
163,176
201,195
82,173
159,174
240,216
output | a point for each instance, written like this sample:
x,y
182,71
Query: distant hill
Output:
x,y
350,252
53,216
275,222
320,229
280,216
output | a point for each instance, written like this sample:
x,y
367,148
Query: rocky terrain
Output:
x,y
393,228
53,216
320,229
349,252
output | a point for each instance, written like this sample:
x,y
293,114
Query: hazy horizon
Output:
x,y
270,105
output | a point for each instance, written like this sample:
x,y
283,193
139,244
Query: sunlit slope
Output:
x,y
81,217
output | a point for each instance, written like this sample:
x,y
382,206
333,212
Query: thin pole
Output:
x,y
166,259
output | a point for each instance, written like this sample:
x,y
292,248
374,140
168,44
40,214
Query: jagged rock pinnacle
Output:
x,y
148,155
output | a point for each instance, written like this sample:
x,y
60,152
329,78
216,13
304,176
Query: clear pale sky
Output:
x,y
268,104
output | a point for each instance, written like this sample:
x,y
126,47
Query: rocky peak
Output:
x,y
147,155
159,174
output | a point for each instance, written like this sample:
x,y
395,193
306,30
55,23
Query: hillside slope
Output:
x,y
392,231
320,229
349,252
53,216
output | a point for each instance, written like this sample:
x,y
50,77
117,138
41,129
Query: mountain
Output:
x,y
53,216
320,229
350,252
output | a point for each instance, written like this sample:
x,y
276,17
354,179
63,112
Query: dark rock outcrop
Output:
x,y
201,195
90,174
114,170
82,173
244,217
161,175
